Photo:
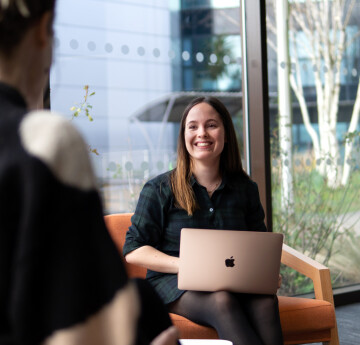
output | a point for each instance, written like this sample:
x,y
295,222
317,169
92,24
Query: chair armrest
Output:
x,y
318,273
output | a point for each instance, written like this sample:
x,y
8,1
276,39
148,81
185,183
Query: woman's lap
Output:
x,y
241,318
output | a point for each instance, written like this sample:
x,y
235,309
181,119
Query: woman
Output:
x,y
208,189
61,278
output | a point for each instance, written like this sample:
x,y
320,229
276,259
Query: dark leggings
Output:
x,y
241,318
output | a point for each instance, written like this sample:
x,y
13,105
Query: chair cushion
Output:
x,y
118,225
299,315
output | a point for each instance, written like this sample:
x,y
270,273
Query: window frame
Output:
x,y
255,100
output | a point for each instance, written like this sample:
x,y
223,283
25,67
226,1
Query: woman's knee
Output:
x,y
223,302
263,303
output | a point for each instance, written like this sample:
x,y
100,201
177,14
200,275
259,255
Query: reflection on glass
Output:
x,y
74,44
141,51
171,54
156,52
313,64
161,58
125,49
185,55
91,46
213,58
108,47
56,42
200,57
226,59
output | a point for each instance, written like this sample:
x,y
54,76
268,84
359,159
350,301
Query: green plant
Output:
x,y
115,169
84,106
220,47
319,220
345,263
350,136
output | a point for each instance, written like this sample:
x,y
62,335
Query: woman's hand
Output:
x,y
153,259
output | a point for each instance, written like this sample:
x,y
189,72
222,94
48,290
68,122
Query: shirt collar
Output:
x,y
224,181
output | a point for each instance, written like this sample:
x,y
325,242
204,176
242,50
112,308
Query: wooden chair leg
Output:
x,y
334,336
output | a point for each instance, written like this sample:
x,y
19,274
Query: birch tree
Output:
x,y
318,29
285,111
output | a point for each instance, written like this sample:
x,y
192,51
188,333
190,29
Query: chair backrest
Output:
x,y
118,225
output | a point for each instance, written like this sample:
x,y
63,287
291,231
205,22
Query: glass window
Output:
x,y
313,66
131,68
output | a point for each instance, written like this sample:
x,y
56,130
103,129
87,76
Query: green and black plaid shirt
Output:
x,y
235,205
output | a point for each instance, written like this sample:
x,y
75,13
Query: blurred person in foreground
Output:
x,y
62,280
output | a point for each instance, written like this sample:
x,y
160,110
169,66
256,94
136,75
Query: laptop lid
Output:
x,y
237,261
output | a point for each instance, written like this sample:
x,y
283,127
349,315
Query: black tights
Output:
x,y
243,319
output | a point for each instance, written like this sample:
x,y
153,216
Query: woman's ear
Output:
x,y
44,29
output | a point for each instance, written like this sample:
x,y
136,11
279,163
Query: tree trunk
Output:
x,y
318,31
325,34
285,115
349,143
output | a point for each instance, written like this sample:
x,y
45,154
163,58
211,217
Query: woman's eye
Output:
x,y
192,127
212,125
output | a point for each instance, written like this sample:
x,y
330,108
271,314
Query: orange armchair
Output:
x,y
303,320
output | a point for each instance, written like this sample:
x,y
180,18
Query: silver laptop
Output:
x,y
237,261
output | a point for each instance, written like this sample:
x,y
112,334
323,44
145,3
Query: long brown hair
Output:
x,y
16,17
230,161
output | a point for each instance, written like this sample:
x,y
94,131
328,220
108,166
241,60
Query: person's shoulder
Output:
x,y
161,183
161,179
242,181
56,142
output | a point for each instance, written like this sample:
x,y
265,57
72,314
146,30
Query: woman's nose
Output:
x,y
202,132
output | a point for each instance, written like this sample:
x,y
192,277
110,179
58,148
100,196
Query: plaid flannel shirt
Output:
x,y
157,222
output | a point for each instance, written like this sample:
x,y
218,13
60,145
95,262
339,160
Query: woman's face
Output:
x,y
204,134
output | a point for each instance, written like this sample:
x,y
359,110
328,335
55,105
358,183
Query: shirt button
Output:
x,y
211,209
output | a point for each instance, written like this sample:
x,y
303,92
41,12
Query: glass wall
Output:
x,y
313,73
124,71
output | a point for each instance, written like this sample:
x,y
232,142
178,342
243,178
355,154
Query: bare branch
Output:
x,y
310,20
300,43
353,39
229,18
349,13
270,25
301,22
314,14
271,44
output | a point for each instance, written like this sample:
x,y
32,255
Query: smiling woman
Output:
x,y
208,189
209,120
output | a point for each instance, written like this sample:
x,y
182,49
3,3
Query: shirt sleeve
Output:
x,y
148,221
255,214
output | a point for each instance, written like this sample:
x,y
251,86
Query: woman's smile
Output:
x,y
203,144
